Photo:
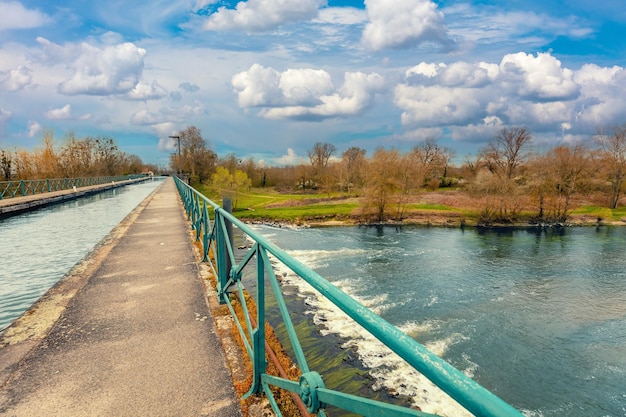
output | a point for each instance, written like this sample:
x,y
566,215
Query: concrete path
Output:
x,y
136,340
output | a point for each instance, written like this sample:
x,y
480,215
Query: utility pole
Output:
x,y
180,167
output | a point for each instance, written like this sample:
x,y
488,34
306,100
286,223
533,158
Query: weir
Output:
x,y
212,223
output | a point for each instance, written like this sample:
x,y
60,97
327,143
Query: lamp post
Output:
x,y
180,169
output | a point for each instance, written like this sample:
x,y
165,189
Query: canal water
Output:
x,y
40,247
536,316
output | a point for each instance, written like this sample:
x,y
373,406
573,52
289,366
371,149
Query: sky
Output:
x,y
269,78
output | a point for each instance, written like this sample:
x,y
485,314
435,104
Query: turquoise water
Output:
x,y
40,247
537,317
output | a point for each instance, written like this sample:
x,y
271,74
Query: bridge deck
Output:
x,y
135,337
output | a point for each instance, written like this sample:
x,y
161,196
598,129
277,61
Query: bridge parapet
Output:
x,y
22,188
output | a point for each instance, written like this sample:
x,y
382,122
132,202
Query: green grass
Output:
x,y
602,212
304,212
438,207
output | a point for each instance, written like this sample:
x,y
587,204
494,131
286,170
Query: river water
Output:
x,y
38,248
537,317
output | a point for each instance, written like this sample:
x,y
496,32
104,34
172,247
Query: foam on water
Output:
x,y
389,371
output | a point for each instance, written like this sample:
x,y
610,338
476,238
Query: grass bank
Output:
x,y
444,207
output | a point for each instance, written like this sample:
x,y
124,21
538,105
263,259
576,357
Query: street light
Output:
x,y
180,169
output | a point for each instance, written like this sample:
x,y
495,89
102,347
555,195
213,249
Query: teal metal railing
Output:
x,y
22,188
214,236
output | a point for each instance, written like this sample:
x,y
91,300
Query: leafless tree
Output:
x,y
506,151
353,160
197,159
613,147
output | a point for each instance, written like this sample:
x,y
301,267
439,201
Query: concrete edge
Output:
x,y
31,328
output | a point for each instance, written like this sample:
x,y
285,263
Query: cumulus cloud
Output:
x,y
62,113
33,128
404,24
306,94
291,158
16,79
16,16
110,69
262,15
539,78
144,91
522,89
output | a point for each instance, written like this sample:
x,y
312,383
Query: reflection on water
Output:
x,y
38,248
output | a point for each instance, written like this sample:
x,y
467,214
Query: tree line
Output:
x,y
75,157
511,179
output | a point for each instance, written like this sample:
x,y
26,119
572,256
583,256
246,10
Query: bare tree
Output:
x,y
5,165
319,157
353,160
381,184
197,158
502,158
613,146
320,154
506,151
556,177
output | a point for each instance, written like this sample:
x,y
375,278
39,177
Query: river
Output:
x,y
536,316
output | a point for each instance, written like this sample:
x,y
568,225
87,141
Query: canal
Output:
x,y
38,248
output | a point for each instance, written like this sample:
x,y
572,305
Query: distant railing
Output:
x,y
215,237
22,188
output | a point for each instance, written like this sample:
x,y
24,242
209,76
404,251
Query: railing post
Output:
x,y
258,336
224,239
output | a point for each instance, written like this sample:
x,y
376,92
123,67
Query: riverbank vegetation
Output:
x,y
509,182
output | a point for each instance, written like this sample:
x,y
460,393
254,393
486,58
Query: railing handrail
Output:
x,y
22,187
455,383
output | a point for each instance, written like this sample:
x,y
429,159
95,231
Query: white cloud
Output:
x,y
436,105
488,24
538,77
178,114
522,89
111,69
33,128
145,91
262,15
16,16
342,16
305,93
5,117
16,79
291,158
64,112
404,24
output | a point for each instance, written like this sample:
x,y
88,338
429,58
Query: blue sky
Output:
x,y
269,78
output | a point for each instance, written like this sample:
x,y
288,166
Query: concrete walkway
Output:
x,y
136,339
